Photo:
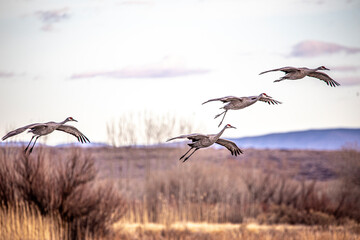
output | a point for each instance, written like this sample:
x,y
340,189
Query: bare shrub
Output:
x,y
7,179
33,181
66,186
146,128
212,199
269,186
93,209
348,195
280,214
350,165
158,127
122,133
73,174
282,198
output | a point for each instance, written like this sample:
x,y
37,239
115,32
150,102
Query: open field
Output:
x,y
26,223
250,231
146,193
131,162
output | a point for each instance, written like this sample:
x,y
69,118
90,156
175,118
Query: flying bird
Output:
x,y
236,103
42,129
204,141
293,73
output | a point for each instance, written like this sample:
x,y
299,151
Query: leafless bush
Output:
x,y
290,215
211,192
348,195
122,133
34,182
306,200
158,127
7,179
66,186
93,209
350,165
146,128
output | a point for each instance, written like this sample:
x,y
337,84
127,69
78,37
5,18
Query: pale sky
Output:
x,y
99,60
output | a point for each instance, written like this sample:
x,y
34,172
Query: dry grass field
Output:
x,y
146,193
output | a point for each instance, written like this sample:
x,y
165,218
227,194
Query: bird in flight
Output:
x,y
236,103
204,141
42,129
292,73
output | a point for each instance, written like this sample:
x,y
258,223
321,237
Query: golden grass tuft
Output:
x,y
21,221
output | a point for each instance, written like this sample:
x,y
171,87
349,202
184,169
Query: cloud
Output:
x,y
312,48
49,17
136,3
141,73
349,80
6,74
167,68
346,68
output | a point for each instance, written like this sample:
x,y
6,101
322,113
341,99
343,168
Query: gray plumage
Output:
x,y
204,141
236,103
292,73
42,129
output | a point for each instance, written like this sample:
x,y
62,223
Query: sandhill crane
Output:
x,y
204,141
236,103
293,73
41,129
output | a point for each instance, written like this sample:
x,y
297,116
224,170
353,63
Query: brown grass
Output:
x,y
84,192
24,222
192,231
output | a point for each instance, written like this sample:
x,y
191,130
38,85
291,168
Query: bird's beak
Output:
x,y
327,69
233,127
74,120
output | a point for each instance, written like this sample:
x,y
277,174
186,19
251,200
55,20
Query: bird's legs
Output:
x,y
185,154
222,118
34,144
280,79
29,144
191,154
220,114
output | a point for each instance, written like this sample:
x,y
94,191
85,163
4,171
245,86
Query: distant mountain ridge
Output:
x,y
317,139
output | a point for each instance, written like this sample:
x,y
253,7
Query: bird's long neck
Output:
x,y
315,69
254,99
63,122
217,136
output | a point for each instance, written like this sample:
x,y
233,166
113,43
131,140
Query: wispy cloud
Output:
x,y
136,2
345,68
164,69
312,48
349,80
49,17
141,73
6,74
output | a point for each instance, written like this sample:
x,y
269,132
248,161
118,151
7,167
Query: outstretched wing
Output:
x,y
193,137
225,99
283,69
324,77
73,131
269,100
231,146
20,130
